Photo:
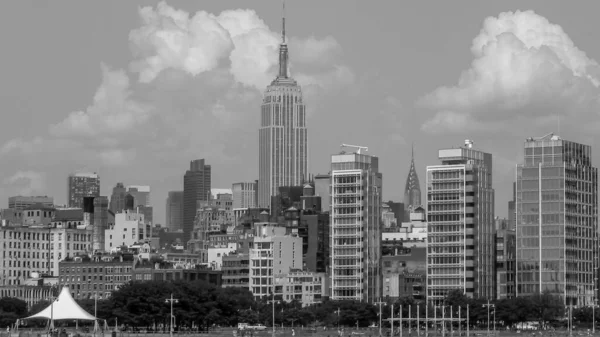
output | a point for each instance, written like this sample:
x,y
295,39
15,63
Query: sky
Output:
x,y
135,90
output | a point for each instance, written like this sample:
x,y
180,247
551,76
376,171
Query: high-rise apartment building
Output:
x,y
196,187
21,202
174,220
117,198
283,142
412,189
244,195
460,232
83,185
557,220
141,195
356,198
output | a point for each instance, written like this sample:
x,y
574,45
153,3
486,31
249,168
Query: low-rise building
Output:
x,y
100,276
305,287
236,269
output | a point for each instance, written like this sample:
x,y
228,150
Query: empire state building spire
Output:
x,y
283,49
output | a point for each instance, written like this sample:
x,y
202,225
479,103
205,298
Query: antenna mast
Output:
x,y
283,23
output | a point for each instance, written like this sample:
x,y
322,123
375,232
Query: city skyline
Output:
x,y
379,78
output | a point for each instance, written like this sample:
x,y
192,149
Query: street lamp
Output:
x,y
488,305
171,300
52,300
380,303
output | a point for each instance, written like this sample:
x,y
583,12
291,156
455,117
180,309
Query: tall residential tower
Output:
x,y
283,143
461,229
355,242
557,220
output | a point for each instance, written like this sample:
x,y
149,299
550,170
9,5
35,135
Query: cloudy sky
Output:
x,y
134,90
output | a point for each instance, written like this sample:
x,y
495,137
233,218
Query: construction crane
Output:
x,y
358,147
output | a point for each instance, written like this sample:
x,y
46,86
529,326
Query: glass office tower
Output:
x,y
556,221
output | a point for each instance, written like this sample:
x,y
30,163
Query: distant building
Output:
x,y
21,202
129,228
323,190
117,198
412,189
82,185
244,195
356,192
196,187
100,224
147,271
174,220
460,223
141,195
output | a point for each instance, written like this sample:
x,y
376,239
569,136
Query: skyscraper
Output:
x,y
461,229
557,220
356,196
117,199
412,189
174,218
82,185
196,187
283,142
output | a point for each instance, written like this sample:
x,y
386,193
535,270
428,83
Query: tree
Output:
x,y
11,309
546,308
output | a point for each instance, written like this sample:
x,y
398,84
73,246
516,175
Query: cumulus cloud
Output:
x,y
27,182
112,111
524,66
173,39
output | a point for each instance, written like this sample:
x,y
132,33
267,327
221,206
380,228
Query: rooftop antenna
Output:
x,y
558,121
283,23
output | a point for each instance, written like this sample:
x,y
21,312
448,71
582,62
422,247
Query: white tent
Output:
x,y
64,307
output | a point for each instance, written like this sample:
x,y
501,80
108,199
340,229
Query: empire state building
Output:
x,y
283,149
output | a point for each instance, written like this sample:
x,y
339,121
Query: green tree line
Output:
x,y
202,305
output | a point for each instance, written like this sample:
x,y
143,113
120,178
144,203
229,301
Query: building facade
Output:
x,y
82,185
271,252
174,220
461,233
21,202
306,287
557,220
39,248
244,195
129,228
283,139
356,198
196,187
